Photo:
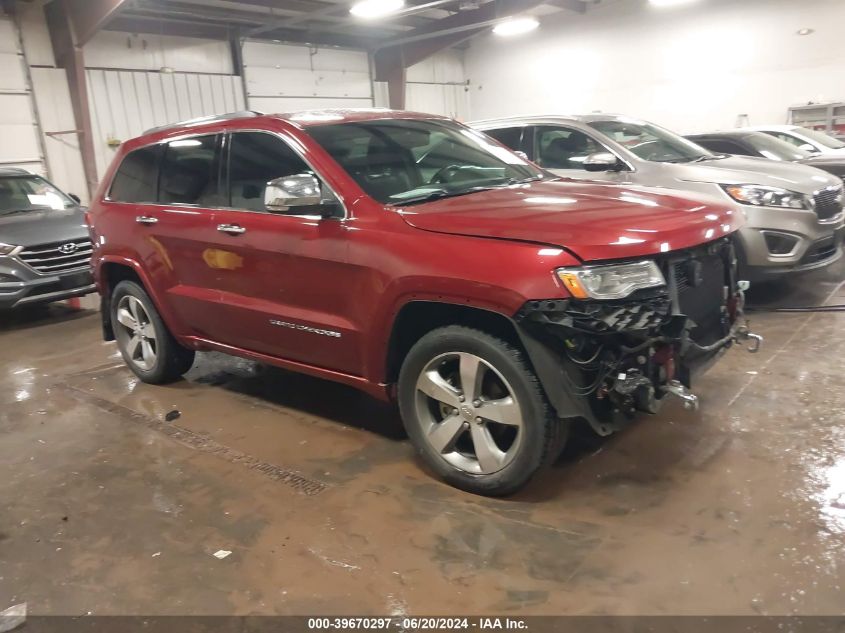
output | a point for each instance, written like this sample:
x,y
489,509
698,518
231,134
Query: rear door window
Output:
x,y
190,172
723,146
508,136
136,179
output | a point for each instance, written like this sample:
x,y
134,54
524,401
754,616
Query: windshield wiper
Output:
x,y
437,194
703,158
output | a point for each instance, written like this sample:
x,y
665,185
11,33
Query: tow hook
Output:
x,y
755,341
675,388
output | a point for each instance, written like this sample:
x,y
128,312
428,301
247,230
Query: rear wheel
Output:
x,y
475,411
144,341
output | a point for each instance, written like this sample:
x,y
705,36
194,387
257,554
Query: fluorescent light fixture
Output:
x,y
516,26
372,9
670,3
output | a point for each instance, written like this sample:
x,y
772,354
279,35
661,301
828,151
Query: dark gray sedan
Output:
x,y
45,249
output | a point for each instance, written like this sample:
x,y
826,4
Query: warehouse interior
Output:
x,y
248,488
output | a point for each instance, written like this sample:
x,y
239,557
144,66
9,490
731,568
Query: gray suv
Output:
x,y
45,249
794,212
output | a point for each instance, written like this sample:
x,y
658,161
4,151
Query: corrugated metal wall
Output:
x,y
283,78
19,141
124,103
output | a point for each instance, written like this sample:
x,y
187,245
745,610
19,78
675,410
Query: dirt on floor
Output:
x,y
123,498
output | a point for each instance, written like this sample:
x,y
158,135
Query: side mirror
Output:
x,y
290,192
808,148
75,198
602,161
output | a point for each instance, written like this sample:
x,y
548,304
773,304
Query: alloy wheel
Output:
x,y
137,334
469,413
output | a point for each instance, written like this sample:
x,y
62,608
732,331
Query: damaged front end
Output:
x,y
604,360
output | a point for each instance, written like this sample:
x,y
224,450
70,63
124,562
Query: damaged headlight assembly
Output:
x,y
613,281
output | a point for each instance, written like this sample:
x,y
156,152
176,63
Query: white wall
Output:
x,y
286,77
692,68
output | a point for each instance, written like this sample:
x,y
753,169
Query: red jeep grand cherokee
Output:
x,y
412,257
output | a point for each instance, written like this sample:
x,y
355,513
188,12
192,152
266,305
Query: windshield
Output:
x,y
20,194
652,143
401,161
775,149
822,138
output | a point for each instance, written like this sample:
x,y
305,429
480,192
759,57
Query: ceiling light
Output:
x,y
515,26
371,9
805,31
669,3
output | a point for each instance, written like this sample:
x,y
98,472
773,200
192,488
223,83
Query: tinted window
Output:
x,y
509,136
190,172
564,148
137,177
402,161
774,148
723,146
822,139
255,159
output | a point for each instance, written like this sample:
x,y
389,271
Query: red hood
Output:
x,y
593,221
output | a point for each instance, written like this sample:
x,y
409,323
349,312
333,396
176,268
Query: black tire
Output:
x,y
171,359
543,435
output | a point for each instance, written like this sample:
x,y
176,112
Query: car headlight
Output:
x,y
8,249
614,281
762,196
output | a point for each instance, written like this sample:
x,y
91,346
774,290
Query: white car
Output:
x,y
811,141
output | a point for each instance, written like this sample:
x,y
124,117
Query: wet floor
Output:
x,y
111,503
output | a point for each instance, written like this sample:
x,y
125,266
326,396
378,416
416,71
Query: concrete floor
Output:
x,y
107,507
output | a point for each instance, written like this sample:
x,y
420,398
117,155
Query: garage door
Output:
x,y
20,145
286,78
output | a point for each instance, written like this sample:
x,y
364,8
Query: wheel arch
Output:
x,y
418,317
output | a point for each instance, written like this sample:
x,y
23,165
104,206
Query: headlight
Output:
x,y
8,249
762,196
614,281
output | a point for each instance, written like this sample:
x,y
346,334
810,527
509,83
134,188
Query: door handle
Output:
x,y
231,229
146,219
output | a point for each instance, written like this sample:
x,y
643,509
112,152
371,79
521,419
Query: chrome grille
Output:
x,y
58,257
828,202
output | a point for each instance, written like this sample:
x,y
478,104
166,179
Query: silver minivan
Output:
x,y
794,212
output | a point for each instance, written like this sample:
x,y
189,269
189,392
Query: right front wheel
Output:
x,y
475,411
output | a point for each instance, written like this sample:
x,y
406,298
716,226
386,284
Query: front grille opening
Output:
x,y
780,243
828,203
700,280
820,251
58,257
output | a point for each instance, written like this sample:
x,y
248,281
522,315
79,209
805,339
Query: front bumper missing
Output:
x,y
645,348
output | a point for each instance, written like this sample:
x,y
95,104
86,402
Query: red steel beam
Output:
x,y
69,56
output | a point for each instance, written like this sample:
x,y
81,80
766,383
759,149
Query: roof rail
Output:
x,y
206,119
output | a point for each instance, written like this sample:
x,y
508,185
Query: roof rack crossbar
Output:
x,y
205,119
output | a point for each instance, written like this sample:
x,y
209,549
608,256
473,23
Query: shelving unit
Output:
x,y
829,117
